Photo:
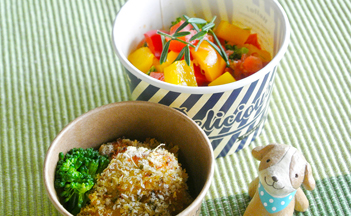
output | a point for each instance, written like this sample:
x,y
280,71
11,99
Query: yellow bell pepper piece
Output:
x,y
209,60
170,59
265,55
179,73
142,59
232,33
223,79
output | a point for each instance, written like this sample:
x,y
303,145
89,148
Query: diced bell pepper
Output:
x,y
253,39
200,76
142,59
209,60
232,33
179,73
154,42
170,59
223,79
263,54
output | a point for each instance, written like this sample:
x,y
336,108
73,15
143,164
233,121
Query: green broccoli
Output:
x,y
76,175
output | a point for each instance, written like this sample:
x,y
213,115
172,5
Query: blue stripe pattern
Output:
x,y
231,119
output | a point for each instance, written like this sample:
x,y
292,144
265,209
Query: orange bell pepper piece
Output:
x,y
232,33
263,54
209,60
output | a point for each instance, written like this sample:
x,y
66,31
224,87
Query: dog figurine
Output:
x,y
276,191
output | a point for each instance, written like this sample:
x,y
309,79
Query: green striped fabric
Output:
x,y
57,62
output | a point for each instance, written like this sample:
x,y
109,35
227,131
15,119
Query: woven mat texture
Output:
x,y
57,62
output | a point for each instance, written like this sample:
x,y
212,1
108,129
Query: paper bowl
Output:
x,y
232,115
138,120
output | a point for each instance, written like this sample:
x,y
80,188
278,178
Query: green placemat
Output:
x,y
57,62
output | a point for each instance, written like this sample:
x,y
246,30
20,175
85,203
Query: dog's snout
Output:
x,y
275,179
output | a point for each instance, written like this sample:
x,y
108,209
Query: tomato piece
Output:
x,y
251,65
157,75
200,77
252,39
236,69
154,42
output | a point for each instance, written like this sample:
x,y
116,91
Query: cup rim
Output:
x,y
203,89
49,186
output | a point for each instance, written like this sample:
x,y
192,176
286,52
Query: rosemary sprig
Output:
x,y
164,53
182,26
185,51
180,55
200,35
176,38
198,44
197,21
193,24
222,52
187,55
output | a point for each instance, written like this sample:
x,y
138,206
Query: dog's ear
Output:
x,y
260,151
308,180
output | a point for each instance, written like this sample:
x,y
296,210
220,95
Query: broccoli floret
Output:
x,y
76,175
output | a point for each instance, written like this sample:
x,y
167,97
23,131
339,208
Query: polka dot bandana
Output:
x,y
274,204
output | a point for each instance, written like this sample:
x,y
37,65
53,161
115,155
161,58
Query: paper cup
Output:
x,y
232,115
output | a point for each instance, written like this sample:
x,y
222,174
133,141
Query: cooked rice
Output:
x,y
141,179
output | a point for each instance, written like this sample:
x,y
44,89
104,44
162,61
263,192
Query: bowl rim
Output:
x,y
202,89
50,188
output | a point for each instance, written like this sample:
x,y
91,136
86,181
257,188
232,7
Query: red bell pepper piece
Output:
x,y
200,77
252,39
154,42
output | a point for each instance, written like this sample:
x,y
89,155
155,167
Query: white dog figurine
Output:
x,y
276,190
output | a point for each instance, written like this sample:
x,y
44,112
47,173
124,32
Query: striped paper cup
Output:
x,y
232,115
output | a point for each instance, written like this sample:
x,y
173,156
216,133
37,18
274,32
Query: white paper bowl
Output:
x,y
232,115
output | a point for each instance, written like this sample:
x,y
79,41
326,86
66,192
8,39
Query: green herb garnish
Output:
x,y
237,52
202,27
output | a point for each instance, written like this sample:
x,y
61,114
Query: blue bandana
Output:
x,y
274,204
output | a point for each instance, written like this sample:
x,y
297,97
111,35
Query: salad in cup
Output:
x,y
195,52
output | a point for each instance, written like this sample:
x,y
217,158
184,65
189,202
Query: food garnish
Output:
x,y
75,176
